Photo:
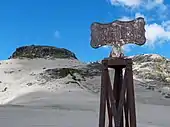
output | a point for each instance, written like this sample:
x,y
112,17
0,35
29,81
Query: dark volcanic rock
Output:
x,y
63,72
57,73
37,51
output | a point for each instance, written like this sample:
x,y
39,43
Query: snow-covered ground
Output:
x,y
71,109
18,77
56,104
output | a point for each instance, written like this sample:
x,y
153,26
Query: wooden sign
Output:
x,y
118,33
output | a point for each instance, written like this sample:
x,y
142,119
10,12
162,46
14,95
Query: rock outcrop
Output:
x,y
153,67
46,52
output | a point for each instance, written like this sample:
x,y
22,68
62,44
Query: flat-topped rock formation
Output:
x,y
38,51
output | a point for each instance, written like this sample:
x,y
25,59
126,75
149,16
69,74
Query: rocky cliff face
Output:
x,y
46,52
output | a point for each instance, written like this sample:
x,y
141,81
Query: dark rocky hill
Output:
x,y
38,51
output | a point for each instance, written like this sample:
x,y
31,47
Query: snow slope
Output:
x,y
28,101
19,77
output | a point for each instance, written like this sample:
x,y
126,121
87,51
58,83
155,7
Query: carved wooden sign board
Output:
x,y
118,33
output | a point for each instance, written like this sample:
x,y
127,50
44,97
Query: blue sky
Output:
x,y
66,24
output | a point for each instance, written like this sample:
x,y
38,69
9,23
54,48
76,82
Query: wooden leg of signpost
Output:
x,y
103,96
117,90
131,97
109,110
126,111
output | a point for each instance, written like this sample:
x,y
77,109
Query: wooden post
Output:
x,y
120,99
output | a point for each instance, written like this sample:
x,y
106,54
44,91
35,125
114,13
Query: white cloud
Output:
x,y
57,34
127,48
139,15
166,25
148,4
157,34
105,46
125,18
159,1
129,3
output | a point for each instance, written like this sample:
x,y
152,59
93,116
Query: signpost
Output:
x,y
118,98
